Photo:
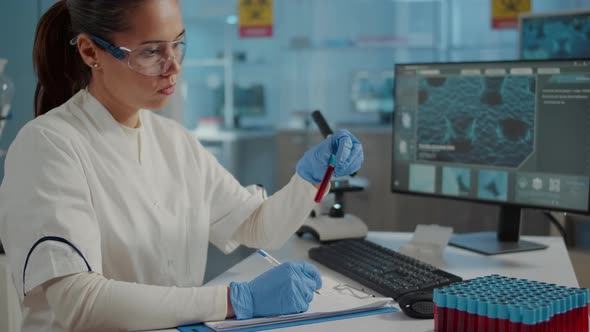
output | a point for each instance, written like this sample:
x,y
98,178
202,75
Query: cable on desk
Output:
x,y
559,227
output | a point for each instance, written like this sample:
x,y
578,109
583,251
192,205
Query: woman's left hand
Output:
x,y
344,145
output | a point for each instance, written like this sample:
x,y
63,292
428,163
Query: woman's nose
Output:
x,y
171,66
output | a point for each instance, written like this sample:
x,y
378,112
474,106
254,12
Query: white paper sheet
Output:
x,y
335,299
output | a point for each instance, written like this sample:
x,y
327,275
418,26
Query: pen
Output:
x,y
268,257
272,260
326,179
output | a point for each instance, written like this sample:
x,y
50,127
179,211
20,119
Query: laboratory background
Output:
x,y
248,95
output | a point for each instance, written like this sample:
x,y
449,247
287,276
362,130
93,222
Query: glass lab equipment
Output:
x,y
6,94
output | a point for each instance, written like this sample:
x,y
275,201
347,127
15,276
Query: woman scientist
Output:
x,y
106,209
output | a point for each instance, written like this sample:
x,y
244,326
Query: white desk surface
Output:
x,y
551,265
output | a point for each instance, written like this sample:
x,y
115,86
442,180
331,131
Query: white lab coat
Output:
x,y
76,196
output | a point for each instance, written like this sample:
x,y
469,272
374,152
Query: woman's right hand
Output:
x,y
284,289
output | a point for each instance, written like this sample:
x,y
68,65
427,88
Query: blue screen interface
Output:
x,y
514,132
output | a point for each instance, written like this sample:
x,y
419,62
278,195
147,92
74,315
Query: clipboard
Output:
x,y
203,328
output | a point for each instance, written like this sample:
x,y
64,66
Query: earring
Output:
x,y
95,65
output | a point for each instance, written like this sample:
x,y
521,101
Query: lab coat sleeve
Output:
x,y
279,216
229,202
47,223
91,302
243,215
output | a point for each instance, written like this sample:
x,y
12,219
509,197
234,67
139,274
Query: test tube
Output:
x,y
451,311
461,313
503,317
472,314
440,301
570,318
586,302
482,319
492,317
547,313
515,318
529,320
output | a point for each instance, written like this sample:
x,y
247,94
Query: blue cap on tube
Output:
x,y
472,305
581,299
545,313
571,301
529,316
503,311
492,310
482,308
332,160
461,302
452,301
436,296
562,305
515,313
555,306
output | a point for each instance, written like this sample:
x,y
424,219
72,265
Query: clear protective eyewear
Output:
x,y
150,59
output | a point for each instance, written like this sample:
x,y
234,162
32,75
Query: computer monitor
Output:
x,y
555,35
249,100
371,92
513,133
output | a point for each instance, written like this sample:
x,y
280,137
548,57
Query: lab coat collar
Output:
x,y
101,117
107,126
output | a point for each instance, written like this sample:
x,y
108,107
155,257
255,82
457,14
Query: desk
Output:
x,y
551,265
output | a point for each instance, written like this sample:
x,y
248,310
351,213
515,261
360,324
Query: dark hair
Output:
x,y
58,65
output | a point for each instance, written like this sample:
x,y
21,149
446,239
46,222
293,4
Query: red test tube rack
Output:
x,y
502,304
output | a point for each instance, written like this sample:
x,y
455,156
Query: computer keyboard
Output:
x,y
383,270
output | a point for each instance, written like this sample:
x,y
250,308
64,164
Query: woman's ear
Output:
x,y
88,51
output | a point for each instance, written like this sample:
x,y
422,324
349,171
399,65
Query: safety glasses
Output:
x,y
150,59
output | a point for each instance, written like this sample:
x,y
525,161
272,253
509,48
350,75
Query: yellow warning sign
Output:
x,y
256,19
505,12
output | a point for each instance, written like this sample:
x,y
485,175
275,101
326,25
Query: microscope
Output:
x,y
335,224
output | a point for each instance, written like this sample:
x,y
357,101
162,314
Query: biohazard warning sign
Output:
x,y
505,12
255,18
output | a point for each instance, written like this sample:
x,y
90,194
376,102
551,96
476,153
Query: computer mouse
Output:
x,y
417,304
309,230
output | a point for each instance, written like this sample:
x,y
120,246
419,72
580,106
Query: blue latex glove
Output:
x,y
285,289
347,149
